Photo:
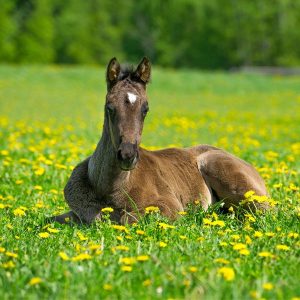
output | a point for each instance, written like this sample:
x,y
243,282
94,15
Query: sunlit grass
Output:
x,y
51,118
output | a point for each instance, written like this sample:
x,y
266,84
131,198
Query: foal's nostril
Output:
x,y
119,155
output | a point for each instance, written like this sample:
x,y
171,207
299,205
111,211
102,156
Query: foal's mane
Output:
x,y
127,71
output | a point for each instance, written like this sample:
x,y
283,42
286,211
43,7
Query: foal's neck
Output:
x,y
104,173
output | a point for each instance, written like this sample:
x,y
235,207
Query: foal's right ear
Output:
x,y
112,72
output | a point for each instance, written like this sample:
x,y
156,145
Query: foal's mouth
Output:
x,y
128,165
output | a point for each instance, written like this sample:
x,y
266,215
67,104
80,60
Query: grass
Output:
x,y
51,119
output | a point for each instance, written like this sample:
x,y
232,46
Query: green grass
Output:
x,y
51,119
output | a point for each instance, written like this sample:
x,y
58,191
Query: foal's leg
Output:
x,y
169,206
80,197
230,178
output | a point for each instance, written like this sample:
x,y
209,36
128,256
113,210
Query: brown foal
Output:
x,y
128,178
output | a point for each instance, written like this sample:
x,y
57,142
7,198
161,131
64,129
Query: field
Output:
x,y
51,118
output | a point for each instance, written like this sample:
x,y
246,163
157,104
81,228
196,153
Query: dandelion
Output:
x,y
2,249
127,260
165,226
239,246
120,228
107,210
258,234
107,287
35,281
266,254
151,209
268,286
244,252
8,265
81,236
200,239
121,248
82,256
162,244
11,254
142,258
222,261
182,213
283,247
18,182
63,256
4,152
147,282
140,232
126,268
52,230
193,269
227,273
249,194
40,171
19,212
44,235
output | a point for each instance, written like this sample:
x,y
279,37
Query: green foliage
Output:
x,y
185,33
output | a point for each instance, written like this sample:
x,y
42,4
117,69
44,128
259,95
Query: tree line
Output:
x,y
205,34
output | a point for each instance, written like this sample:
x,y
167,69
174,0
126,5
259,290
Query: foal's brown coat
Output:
x,y
129,178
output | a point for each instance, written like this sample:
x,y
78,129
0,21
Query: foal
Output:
x,y
122,175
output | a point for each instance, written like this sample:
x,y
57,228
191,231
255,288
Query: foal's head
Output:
x,y
126,108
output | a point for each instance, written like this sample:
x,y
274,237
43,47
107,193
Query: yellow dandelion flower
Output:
x,y
268,286
35,281
162,244
258,234
239,246
249,194
142,258
4,152
151,209
44,235
165,226
8,265
283,247
81,236
126,268
127,260
182,213
200,239
63,256
53,230
218,223
40,171
227,273
107,210
2,249
147,282
193,269
18,182
107,287
266,254
121,248
37,188
293,235
19,212
120,228
140,232
222,261
244,252
223,244
11,254
81,256
270,234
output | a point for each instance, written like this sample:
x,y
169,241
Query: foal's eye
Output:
x,y
110,109
145,109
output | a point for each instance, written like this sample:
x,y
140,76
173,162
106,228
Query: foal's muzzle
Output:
x,y
127,156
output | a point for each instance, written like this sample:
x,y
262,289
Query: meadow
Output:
x,y
51,118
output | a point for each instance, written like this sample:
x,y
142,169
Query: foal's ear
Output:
x,y
112,72
143,70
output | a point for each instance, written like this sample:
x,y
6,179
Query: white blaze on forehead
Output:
x,y
131,97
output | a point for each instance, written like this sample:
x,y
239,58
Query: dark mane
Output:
x,y
127,71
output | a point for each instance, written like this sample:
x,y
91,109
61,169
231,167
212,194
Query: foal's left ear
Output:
x,y
143,70
112,72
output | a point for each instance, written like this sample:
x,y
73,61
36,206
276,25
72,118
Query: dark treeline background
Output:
x,y
180,33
